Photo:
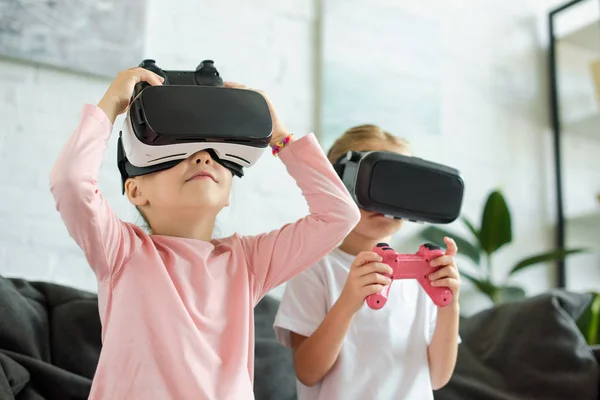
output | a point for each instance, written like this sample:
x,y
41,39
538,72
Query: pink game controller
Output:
x,y
411,266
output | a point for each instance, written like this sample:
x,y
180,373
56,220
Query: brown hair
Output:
x,y
361,137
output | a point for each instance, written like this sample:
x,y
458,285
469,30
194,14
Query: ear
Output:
x,y
134,192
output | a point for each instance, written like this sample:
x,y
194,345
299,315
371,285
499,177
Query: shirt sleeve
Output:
x,y
106,241
277,256
303,306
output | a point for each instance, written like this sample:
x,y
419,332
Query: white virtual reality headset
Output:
x,y
192,111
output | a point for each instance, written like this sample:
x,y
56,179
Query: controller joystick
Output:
x,y
207,74
432,246
147,63
207,66
411,266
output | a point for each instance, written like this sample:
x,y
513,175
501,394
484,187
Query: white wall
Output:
x,y
39,108
495,129
494,120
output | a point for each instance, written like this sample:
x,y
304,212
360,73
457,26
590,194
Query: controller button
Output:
x,y
208,64
432,246
383,245
147,63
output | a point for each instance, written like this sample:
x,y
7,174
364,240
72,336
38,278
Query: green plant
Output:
x,y
589,322
494,233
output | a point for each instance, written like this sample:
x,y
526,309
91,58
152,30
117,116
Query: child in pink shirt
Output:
x,y
177,307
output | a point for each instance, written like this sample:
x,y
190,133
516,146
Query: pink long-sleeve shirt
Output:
x,y
177,314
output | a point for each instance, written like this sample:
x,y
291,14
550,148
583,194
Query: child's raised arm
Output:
x,y
279,255
106,241
275,257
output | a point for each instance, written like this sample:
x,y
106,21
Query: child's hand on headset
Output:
x,y
117,96
279,131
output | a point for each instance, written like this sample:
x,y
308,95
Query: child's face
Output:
x,y
197,183
375,226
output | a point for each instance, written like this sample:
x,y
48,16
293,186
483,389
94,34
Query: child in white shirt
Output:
x,y
344,350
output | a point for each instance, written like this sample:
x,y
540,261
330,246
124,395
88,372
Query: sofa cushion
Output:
x,y
274,377
49,340
528,349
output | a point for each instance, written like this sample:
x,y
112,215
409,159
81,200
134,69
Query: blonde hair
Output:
x,y
362,138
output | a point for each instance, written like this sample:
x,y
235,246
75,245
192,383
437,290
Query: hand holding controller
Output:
x,y
411,266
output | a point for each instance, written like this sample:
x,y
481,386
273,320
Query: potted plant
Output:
x,y
494,232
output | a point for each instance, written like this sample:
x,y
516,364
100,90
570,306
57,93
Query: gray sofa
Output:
x,y
526,350
532,349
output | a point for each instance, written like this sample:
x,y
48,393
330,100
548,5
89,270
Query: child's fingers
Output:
x,y
152,78
450,283
142,74
364,258
371,267
372,289
374,278
451,247
448,271
234,85
442,260
442,282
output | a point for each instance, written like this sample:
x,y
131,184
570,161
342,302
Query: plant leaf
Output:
x,y
469,225
509,293
484,286
436,235
589,321
594,328
543,257
496,228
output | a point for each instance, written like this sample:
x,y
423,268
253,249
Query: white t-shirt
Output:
x,y
384,354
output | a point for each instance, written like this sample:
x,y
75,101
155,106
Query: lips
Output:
x,y
202,175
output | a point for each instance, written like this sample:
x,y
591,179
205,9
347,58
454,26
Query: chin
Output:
x,y
200,203
210,205
382,227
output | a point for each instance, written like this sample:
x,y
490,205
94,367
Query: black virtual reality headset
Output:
x,y
191,111
402,187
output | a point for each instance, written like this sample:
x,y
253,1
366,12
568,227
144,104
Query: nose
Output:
x,y
202,157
